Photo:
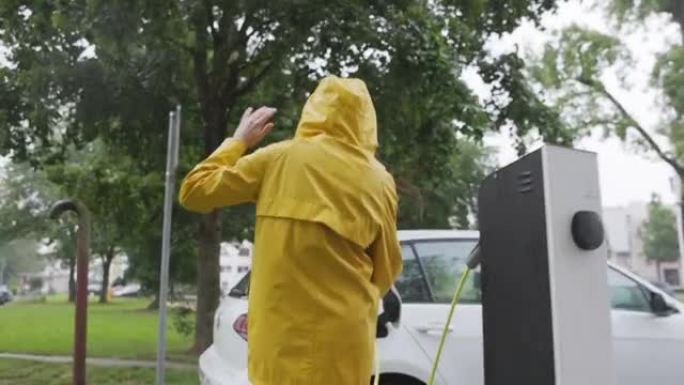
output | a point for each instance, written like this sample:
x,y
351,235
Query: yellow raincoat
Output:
x,y
325,248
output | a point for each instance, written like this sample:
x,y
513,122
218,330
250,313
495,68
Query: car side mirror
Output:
x,y
391,312
659,306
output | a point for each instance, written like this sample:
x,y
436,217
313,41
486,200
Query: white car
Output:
x,y
128,290
648,344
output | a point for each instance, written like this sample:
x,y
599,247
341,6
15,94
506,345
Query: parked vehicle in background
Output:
x,y
128,290
648,325
94,288
5,295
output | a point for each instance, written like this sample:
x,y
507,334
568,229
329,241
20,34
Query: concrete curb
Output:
x,y
94,361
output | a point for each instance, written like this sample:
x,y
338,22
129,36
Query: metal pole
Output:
x,y
82,256
171,163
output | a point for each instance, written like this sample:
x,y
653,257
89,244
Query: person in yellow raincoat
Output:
x,y
325,248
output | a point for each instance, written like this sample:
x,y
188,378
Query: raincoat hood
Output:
x,y
342,109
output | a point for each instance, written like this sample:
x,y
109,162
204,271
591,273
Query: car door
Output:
x,y
398,351
427,286
648,348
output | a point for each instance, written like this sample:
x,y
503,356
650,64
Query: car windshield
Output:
x,y
242,288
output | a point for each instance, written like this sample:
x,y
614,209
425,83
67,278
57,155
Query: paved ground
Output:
x,y
106,362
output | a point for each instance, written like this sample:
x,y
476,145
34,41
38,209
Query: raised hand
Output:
x,y
255,125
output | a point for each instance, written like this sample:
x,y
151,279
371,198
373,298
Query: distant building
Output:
x,y
55,279
116,270
55,275
626,248
235,262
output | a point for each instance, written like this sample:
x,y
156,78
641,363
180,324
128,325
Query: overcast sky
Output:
x,y
627,175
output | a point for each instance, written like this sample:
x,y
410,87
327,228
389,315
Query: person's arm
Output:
x,y
225,177
386,253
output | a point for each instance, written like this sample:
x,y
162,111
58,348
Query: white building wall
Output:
x,y
235,262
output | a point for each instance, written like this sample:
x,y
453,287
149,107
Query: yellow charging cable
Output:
x,y
442,340
474,260
376,379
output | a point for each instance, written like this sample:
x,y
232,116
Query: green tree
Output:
x,y
450,199
571,71
635,11
25,196
102,183
659,233
125,210
471,164
17,257
84,69
24,200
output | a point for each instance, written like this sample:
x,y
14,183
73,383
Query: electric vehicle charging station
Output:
x,y
546,313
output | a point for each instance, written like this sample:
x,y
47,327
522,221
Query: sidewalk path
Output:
x,y
107,362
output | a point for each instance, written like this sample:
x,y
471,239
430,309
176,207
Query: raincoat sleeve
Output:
x,y
386,253
225,177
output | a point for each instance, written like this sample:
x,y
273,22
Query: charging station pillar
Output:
x,y
545,298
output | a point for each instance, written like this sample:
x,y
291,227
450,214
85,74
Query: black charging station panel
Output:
x,y
545,298
518,331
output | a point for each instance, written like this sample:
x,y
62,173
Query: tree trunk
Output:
x,y
657,261
208,287
215,117
106,264
72,279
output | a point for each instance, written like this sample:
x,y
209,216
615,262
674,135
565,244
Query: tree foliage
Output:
x,y
573,69
660,233
634,11
126,211
25,198
89,69
516,105
19,256
112,69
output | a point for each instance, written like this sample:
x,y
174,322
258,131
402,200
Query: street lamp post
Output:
x,y
82,256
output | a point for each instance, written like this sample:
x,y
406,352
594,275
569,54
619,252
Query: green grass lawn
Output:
x,y
123,328
18,372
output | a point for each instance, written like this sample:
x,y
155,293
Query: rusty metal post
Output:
x,y
82,256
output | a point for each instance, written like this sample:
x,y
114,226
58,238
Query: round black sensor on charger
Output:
x,y
587,230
